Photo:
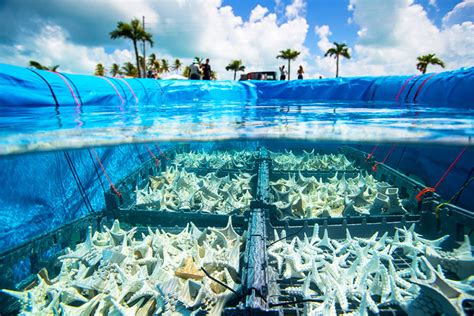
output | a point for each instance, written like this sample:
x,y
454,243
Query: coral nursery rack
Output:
x,y
260,221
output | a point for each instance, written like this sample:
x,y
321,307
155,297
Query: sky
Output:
x,y
384,36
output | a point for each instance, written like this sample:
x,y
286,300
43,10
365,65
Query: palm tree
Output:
x,y
37,65
425,60
135,32
290,55
129,69
154,63
235,65
165,66
199,60
177,65
99,70
115,70
142,62
213,75
336,51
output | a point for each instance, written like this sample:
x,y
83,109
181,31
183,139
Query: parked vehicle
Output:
x,y
259,75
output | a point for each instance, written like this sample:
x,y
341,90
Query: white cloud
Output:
x,y
257,13
462,12
181,28
392,34
295,9
52,47
323,32
433,4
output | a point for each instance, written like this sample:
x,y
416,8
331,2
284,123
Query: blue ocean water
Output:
x,y
39,128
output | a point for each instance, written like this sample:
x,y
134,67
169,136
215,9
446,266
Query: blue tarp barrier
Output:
x,y
451,88
39,192
27,87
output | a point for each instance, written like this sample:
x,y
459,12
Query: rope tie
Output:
x,y
114,87
78,104
421,86
372,153
419,196
374,167
157,161
69,87
112,186
162,154
403,87
130,88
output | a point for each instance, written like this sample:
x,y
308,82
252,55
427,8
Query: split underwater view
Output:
x,y
340,196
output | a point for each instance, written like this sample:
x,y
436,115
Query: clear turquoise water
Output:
x,y
25,129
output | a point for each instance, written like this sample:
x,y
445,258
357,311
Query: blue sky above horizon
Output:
x,y
384,36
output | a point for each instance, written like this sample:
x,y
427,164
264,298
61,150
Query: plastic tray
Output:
x,y
43,251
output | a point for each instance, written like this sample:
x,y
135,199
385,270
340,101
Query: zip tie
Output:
x,y
112,187
372,153
419,196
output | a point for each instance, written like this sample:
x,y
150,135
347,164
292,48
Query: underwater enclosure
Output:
x,y
278,207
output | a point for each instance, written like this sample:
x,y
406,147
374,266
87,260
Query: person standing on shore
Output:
x,y
206,70
194,71
283,73
300,72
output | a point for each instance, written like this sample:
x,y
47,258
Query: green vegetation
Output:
x,y
154,63
129,70
429,59
337,51
177,65
99,70
186,72
115,70
37,65
135,32
165,66
289,55
235,65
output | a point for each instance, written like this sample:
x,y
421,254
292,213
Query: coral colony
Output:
x,y
363,274
180,190
115,272
112,273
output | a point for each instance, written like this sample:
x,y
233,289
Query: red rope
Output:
x,y
372,153
115,88
421,86
433,189
157,161
161,152
68,85
78,106
403,87
374,167
130,88
112,186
